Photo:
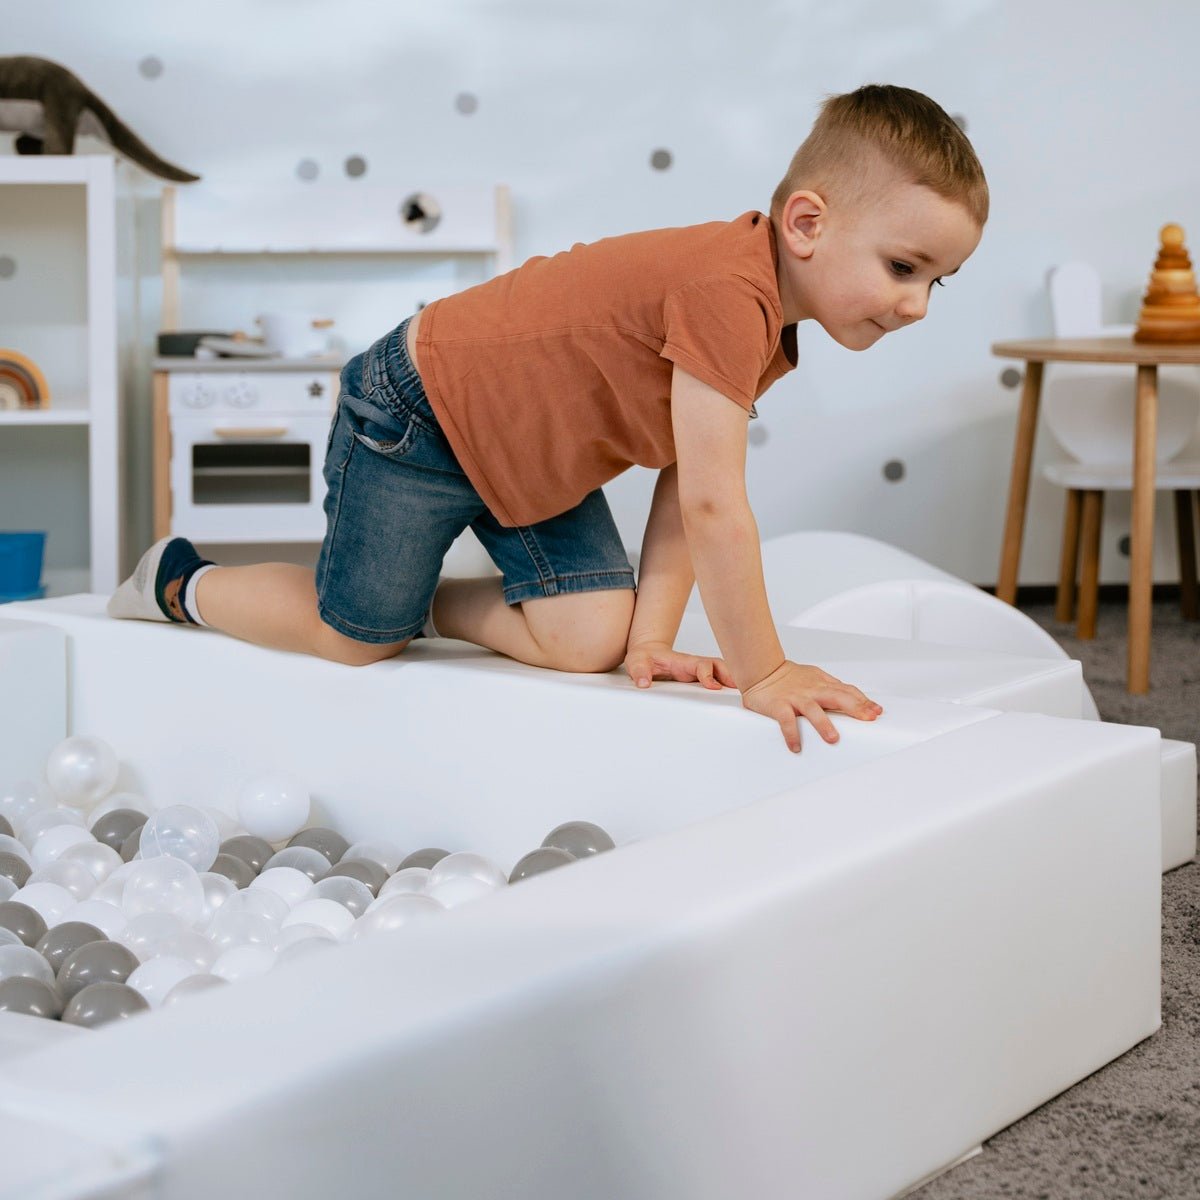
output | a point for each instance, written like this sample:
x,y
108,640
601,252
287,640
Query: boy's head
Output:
x,y
884,180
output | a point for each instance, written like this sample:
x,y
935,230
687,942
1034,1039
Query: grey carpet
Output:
x,y
1132,1129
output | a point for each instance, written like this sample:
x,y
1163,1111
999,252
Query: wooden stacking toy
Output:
x,y
1171,307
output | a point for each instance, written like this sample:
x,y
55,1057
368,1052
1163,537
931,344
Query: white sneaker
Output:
x,y
137,597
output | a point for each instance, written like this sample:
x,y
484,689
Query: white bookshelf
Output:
x,y
84,396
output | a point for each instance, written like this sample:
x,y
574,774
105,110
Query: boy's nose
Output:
x,y
911,309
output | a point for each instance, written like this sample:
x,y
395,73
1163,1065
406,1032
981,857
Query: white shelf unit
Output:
x,y
354,222
83,396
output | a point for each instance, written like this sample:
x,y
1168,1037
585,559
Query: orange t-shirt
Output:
x,y
554,378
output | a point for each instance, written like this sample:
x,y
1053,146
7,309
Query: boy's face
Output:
x,y
860,274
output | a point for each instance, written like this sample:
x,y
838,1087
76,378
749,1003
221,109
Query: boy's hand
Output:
x,y
645,661
792,690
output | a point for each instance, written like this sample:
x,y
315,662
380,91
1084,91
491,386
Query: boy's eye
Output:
x,y
903,269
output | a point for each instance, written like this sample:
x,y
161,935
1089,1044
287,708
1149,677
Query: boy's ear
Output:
x,y
802,222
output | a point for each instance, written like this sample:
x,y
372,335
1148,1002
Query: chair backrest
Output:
x,y
1074,290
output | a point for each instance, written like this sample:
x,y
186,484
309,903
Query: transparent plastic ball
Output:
x,y
164,885
73,876
129,800
181,832
329,914
377,850
108,918
464,865
289,884
81,770
17,961
412,880
261,901
459,889
229,929
217,889
45,819
301,858
396,912
154,979
99,859
154,934
193,985
273,807
352,894
244,962
55,840
20,800
51,901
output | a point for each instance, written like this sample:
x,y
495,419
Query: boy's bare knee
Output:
x,y
336,647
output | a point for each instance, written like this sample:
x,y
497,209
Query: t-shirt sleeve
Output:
x,y
719,330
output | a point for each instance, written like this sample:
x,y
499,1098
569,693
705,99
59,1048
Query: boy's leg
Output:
x,y
574,631
275,604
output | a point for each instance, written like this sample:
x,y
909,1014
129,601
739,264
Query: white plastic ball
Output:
x,y
244,962
8,938
46,819
193,985
181,832
262,901
73,876
129,800
51,901
108,918
229,929
217,889
395,913
99,859
464,864
154,934
20,800
286,882
55,840
329,914
412,880
81,770
165,885
10,845
459,889
154,979
352,894
7,888
17,961
387,854
273,807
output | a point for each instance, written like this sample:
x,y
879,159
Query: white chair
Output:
x,y
1089,409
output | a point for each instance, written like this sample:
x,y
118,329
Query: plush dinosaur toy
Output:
x,y
47,105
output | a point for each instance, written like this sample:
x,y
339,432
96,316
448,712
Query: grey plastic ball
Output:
x,y
31,997
99,1003
63,940
328,841
423,858
114,828
97,962
544,858
236,869
370,873
5,828
14,868
25,922
250,849
579,839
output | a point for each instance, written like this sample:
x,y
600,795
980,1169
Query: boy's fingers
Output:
x,y
820,721
786,717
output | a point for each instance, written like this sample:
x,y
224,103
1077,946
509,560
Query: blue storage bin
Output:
x,y
21,566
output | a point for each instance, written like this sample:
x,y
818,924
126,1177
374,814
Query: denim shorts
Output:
x,y
397,498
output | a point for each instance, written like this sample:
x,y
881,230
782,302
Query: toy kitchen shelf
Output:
x,y
260,444
60,465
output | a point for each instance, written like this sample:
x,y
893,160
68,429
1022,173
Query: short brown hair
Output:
x,y
895,126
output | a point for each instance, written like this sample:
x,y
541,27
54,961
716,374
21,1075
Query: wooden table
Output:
x,y
1146,357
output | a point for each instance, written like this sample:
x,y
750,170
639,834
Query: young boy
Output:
x,y
506,407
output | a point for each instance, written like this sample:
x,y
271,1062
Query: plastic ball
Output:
x,y
426,858
370,873
8,888
544,858
181,832
303,932
329,914
227,826
351,894
124,801
26,922
164,885
262,901
387,854
19,801
103,1002
73,876
154,934
81,770
108,918
396,912
253,851
31,997
464,865
50,900
273,807
328,841
12,845
303,948
115,828
31,830
407,880
217,889
100,860
24,961
244,962
154,979
239,872
193,985
63,940
54,841
229,929
97,962
287,883
579,839
302,858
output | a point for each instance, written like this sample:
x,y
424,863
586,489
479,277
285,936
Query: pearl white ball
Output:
x,y
273,807
81,770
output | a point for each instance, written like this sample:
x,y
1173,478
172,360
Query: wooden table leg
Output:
x,y
1089,579
1018,487
1185,536
1068,567
1141,565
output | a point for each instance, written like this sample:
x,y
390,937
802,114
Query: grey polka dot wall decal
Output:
x,y
893,471
757,435
307,170
151,67
660,160
356,165
420,211
1123,545
466,103
1010,377
960,121
8,267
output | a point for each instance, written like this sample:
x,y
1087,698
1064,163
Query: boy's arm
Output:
x,y
665,575
720,530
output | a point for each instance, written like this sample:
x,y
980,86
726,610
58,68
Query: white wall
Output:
x,y
1083,120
